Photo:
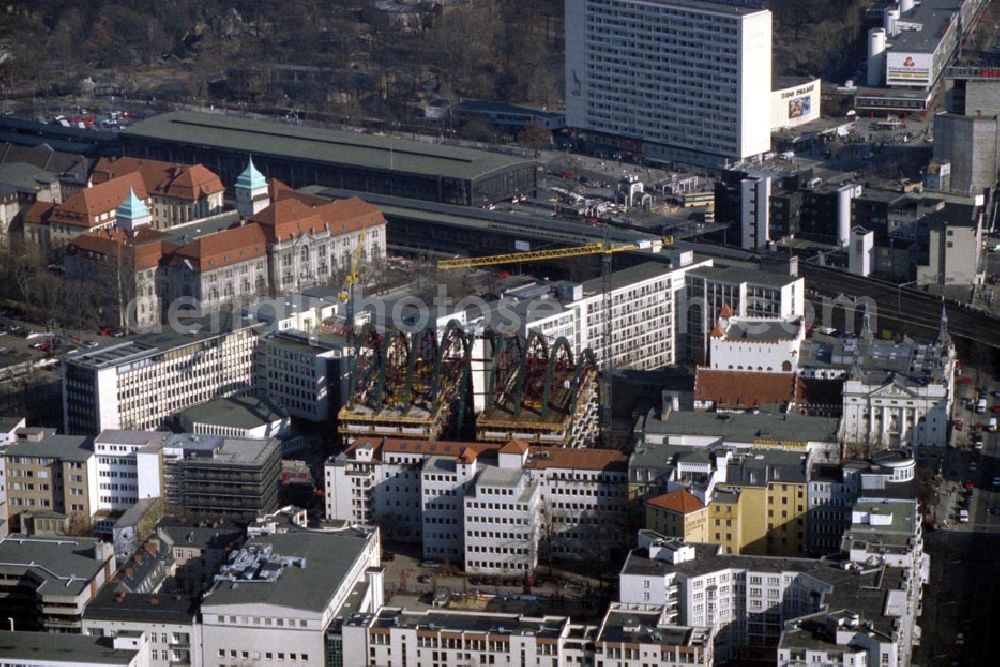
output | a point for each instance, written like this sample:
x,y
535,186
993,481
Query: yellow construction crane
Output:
x,y
554,253
607,251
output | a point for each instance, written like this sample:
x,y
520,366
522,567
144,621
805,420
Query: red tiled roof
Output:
x,y
292,215
168,179
39,213
145,249
515,447
230,246
726,311
743,389
680,501
576,459
83,207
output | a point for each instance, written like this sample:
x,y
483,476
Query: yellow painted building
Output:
x,y
760,508
678,514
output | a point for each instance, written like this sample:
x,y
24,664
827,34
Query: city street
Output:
x,y
959,605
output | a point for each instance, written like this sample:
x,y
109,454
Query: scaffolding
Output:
x,y
419,386
540,394
412,386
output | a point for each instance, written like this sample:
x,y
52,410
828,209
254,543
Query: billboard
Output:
x,y
799,106
909,68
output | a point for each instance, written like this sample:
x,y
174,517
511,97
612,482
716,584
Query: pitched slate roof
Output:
x,y
145,249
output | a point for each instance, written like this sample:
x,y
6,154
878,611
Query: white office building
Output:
x,y
119,472
491,508
275,599
139,383
670,80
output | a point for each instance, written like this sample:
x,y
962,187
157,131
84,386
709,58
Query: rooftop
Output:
x,y
54,648
322,562
320,145
547,627
934,17
46,444
744,389
225,450
746,427
242,412
65,566
145,349
644,627
762,331
737,274
680,501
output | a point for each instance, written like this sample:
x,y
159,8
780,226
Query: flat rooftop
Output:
x,y
746,427
153,344
300,143
65,566
326,560
547,627
934,17
242,412
50,445
219,449
57,648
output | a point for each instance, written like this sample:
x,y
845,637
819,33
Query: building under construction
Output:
x,y
539,394
499,387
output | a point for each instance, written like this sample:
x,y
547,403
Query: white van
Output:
x,y
963,516
993,424
981,406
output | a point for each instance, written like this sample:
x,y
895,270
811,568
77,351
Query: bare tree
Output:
x,y
534,136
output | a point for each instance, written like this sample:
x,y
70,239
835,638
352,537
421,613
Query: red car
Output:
x,y
970,485
964,379
995,409
105,331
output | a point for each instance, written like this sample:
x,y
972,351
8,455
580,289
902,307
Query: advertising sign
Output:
x,y
911,68
799,106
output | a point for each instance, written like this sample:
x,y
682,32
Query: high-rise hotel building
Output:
x,y
686,81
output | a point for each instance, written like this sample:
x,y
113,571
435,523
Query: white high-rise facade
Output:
x,y
670,80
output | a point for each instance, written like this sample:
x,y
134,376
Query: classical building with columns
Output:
x,y
899,393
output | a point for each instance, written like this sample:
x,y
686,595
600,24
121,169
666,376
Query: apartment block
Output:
x,y
493,508
51,481
626,637
671,80
140,383
834,490
45,583
751,600
679,513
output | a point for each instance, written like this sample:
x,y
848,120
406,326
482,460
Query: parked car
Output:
x,y
106,330
424,579
94,343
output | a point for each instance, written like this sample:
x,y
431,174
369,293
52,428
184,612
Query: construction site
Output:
x,y
487,386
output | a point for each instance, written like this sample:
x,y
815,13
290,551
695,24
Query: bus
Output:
x,y
689,199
